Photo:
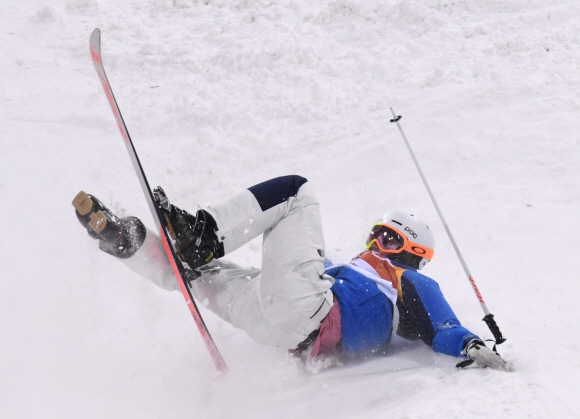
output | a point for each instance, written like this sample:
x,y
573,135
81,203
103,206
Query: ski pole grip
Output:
x,y
490,321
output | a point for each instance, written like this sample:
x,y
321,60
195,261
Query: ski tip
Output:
x,y
95,46
95,39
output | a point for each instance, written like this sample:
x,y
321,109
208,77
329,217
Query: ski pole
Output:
x,y
488,319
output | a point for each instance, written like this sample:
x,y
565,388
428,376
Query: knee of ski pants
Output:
x,y
277,190
247,214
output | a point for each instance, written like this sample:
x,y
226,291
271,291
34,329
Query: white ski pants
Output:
x,y
285,301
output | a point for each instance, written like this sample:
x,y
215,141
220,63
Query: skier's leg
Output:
x,y
285,307
214,291
151,262
425,314
136,246
294,294
253,211
288,300
232,294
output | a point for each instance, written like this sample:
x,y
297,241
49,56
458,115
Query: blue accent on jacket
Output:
x,y
366,313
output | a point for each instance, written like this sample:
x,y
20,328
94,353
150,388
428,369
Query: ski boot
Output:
x,y
120,237
195,238
482,356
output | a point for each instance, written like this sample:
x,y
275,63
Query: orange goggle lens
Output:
x,y
390,240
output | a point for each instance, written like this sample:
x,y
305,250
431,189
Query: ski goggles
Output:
x,y
388,239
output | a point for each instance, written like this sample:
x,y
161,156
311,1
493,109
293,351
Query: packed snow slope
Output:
x,y
220,95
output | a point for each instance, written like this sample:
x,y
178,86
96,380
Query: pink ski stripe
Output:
x,y
217,358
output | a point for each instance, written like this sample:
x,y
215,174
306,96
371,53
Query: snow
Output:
x,y
219,95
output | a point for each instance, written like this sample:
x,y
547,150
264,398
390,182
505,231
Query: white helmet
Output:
x,y
403,238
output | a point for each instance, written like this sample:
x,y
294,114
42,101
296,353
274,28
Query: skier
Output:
x,y
298,300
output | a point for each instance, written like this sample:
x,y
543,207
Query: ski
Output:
x,y
176,265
